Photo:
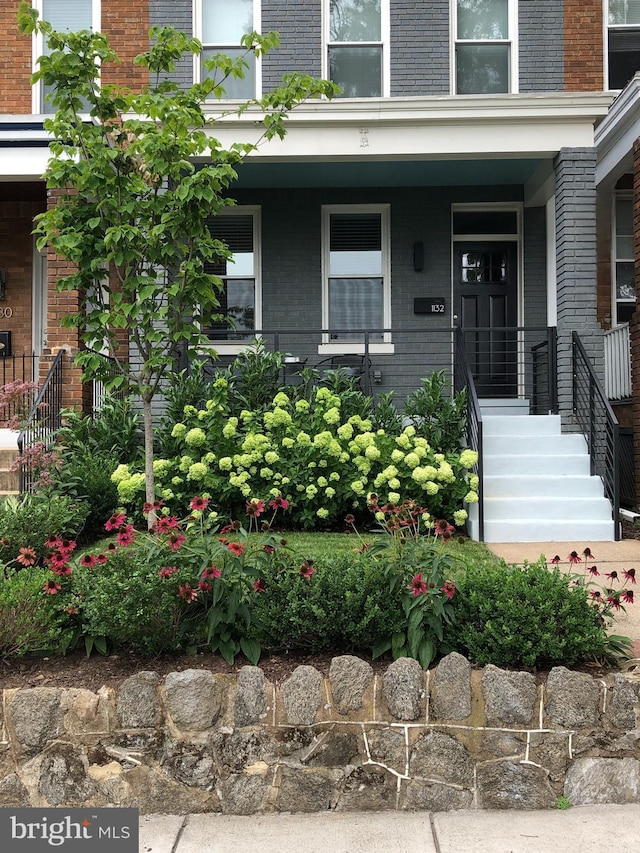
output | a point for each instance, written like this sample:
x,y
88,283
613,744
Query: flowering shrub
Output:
x,y
16,399
305,452
26,522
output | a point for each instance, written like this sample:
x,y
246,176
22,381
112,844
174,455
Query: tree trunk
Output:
x,y
150,486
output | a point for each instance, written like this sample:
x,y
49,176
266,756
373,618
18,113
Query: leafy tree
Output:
x,y
133,204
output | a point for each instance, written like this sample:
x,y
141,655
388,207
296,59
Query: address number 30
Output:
x,y
6,313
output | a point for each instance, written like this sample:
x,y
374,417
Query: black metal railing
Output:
x,y
627,468
544,399
42,423
463,380
17,369
599,425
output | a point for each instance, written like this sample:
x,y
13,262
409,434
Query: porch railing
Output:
x,y
463,379
598,424
42,422
617,363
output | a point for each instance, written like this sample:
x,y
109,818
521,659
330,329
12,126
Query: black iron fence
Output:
x,y
598,424
42,423
464,380
15,370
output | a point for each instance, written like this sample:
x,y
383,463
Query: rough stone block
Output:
x,y
429,796
368,788
333,749
403,688
439,757
35,715
304,791
193,699
302,696
505,785
509,697
572,698
603,780
388,747
250,702
349,678
137,701
624,705
551,751
242,794
451,693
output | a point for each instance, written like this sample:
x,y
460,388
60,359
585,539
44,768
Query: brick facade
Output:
x,y
15,62
126,23
583,45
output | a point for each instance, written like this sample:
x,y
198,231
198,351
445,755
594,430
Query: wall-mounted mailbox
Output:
x,y
5,344
429,306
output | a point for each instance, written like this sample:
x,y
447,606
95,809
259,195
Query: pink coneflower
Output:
x,y
349,519
167,571
88,560
595,594
279,503
613,575
211,572
61,569
587,554
236,548
152,507
260,585
306,569
199,504
449,589
614,601
555,560
443,528
101,559
627,595
53,542
593,570
66,547
574,558
176,541
417,585
203,586
254,508
126,536
51,587
629,575
185,591
117,520
166,523
268,549
26,556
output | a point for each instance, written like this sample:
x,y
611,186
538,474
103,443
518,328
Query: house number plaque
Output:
x,y
6,313
430,306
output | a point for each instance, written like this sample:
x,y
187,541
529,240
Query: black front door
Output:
x,y
485,298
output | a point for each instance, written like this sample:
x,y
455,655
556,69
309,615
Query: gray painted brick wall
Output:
x,y
419,47
300,26
541,45
535,266
576,264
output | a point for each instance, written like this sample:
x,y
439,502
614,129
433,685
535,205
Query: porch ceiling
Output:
x,y
394,173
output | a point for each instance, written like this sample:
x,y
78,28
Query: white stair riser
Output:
x,y
546,486
571,465
580,532
512,408
547,445
518,426
506,509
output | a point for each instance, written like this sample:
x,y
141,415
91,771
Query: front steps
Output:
x,y
537,485
9,480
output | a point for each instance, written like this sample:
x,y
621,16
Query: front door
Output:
x,y
485,298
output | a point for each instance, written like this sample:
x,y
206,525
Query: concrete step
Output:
x,y
549,508
529,465
501,406
557,530
542,486
8,456
515,425
9,481
547,445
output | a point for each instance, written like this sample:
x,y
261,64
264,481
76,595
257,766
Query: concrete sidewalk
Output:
x,y
586,829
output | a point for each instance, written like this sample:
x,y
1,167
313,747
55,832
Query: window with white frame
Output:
x,y
358,46
239,298
64,16
356,271
624,291
484,46
220,24
623,41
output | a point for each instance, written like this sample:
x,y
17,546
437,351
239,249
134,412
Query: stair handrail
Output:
x,y
463,379
604,442
49,400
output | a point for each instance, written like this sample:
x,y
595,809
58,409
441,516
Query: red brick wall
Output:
x,y
634,325
583,45
126,24
15,62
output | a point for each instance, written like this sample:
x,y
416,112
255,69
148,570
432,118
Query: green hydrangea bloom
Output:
x,y
190,411
345,432
322,512
280,399
311,491
358,487
412,460
334,476
372,452
394,483
160,467
471,497
397,456
303,439
332,416
271,457
302,406
129,488
196,437
225,464
330,492
468,458
208,458
179,431
445,473
474,482
393,498
287,442
460,516
220,383
177,481
266,473
431,488
230,428
185,463
403,441
322,482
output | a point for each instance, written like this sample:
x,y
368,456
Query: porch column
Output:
x,y
75,393
575,218
634,325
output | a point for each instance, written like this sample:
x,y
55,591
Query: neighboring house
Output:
x,y
452,185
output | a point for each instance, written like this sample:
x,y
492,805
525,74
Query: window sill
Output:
x,y
351,348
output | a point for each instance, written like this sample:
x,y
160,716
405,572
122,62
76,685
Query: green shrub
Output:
x,y
126,602
27,522
440,418
524,616
30,620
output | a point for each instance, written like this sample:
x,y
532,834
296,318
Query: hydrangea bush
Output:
x,y
306,452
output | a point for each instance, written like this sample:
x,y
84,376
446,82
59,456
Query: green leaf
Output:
x,y
228,650
380,647
251,650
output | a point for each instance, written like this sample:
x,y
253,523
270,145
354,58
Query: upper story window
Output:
x,y
357,280
220,24
64,16
623,42
485,47
240,296
623,271
358,47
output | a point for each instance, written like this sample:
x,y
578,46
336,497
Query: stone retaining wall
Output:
x,y
446,739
